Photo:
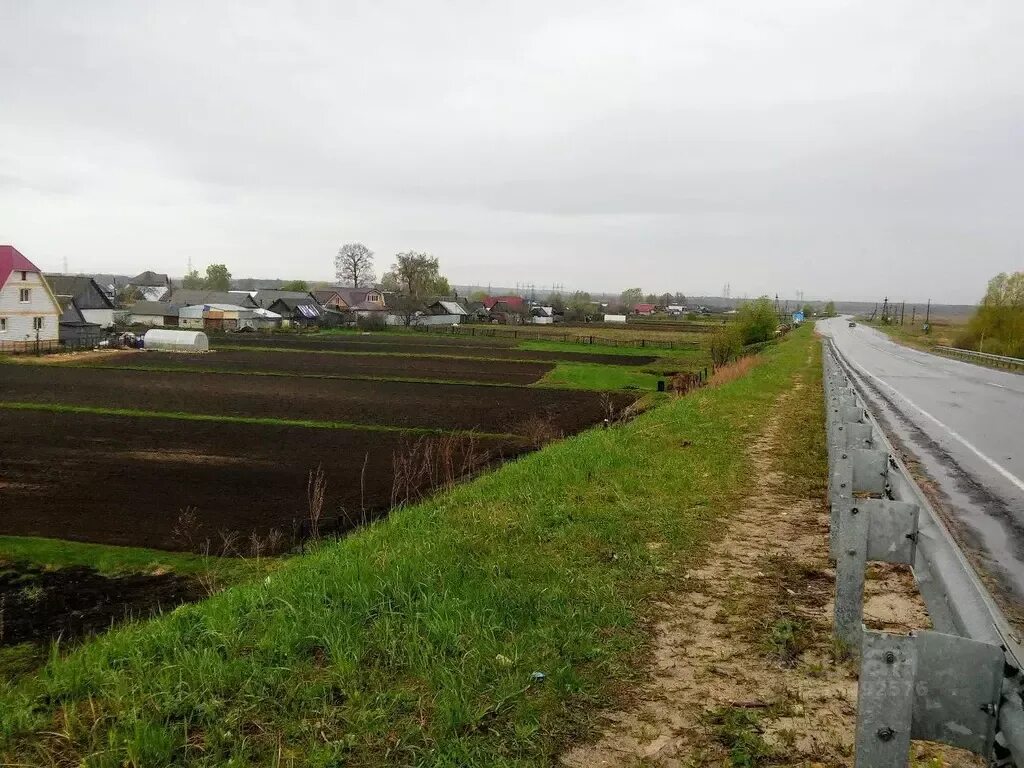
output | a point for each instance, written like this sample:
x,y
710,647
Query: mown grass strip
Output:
x,y
486,626
296,374
114,561
308,423
422,355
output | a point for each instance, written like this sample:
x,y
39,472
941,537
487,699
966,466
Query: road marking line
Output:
x,y
997,467
993,384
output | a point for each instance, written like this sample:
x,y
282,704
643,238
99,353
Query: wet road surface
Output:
x,y
964,425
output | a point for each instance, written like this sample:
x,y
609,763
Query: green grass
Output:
x,y
739,731
110,560
294,374
595,376
599,349
186,416
416,640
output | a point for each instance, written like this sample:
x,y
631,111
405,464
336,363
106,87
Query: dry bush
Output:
x,y
433,462
316,493
185,528
685,383
734,370
538,431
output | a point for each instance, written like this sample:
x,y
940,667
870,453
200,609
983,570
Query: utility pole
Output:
x,y
903,314
885,310
913,314
928,318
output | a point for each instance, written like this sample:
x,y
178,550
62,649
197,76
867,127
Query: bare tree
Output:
x,y
354,265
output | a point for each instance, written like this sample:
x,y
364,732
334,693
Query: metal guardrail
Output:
x,y
970,354
959,684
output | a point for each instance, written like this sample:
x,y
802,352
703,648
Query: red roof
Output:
x,y
513,302
644,308
11,260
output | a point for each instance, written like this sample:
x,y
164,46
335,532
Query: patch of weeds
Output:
x,y
32,593
19,660
739,731
786,639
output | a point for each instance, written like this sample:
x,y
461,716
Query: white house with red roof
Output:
x,y
28,308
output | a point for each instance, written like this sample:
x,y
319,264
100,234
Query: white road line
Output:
x,y
996,466
993,384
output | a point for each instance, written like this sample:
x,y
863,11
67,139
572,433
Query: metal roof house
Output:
x,y
299,312
443,313
28,309
151,286
155,313
216,317
90,299
74,328
186,297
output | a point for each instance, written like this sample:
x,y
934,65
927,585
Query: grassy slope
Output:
x,y
413,642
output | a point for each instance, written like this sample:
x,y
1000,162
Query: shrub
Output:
x,y
374,322
757,321
726,344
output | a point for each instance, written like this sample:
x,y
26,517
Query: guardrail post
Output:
x,y
885,700
870,530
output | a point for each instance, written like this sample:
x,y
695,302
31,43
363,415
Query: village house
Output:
x,y
330,298
298,312
644,309
216,317
187,297
151,286
29,311
74,329
89,298
443,313
362,302
154,313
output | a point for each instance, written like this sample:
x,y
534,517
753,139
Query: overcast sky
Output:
x,y
845,149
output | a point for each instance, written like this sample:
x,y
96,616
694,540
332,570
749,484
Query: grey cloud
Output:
x,y
765,145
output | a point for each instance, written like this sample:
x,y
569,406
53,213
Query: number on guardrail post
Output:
x,y
927,686
885,700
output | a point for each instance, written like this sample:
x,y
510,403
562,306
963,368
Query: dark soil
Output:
x,y
457,347
41,605
486,371
519,410
128,480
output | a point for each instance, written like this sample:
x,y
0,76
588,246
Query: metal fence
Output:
x,y
46,347
970,354
958,684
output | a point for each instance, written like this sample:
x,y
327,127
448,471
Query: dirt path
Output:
x,y
745,671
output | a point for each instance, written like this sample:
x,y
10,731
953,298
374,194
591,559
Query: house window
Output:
x,y
24,276
25,295
37,323
3,324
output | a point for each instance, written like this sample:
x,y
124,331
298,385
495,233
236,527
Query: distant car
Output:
x,y
853,324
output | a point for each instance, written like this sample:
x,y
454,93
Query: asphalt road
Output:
x,y
964,425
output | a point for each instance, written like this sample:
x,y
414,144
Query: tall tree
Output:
x,y
579,306
218,278
418,275
192,279
354,265
631,297
666,299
